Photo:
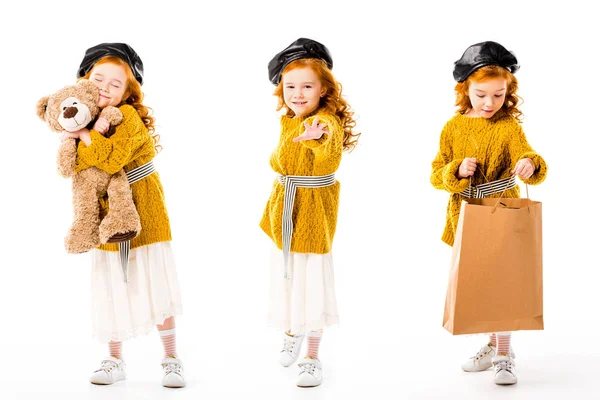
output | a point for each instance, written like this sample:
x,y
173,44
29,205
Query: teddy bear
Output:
x,y
73,108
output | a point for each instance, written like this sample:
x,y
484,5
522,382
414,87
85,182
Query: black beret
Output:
x,y
301,48
482,54
121,50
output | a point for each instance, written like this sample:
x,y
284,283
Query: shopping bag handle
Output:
x,y
488,182
485,177
502,194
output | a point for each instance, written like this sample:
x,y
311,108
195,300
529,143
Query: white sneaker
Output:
x,y
483,359
291,349
173,369
504,370
111,370
311,372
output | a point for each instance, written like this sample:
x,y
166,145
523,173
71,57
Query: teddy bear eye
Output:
x,y
74,103
64,108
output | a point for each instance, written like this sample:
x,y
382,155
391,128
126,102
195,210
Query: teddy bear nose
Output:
x,y
70,112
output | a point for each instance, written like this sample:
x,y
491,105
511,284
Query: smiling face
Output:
x,y
486,97
302,91
111,79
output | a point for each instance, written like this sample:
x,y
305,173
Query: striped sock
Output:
x,y
115,349
503,343
492,340
168,340
314,340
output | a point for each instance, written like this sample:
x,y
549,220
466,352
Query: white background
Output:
x,y
206,78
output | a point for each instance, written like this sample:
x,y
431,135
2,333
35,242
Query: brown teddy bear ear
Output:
x,y
41,107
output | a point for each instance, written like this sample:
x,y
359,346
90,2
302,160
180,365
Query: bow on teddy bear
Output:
x,y
73,108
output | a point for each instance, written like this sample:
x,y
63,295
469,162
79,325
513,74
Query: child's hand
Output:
x,y
524,168
82,134
102,125
68,135
314,131
467,168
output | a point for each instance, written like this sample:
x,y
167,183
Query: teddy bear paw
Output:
x,y
122,237
119,228
76,242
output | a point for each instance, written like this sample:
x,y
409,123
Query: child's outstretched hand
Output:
x,y
101,125
314,131
524,168
467,168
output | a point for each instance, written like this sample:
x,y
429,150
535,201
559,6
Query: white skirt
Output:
x,y
121,310
306,302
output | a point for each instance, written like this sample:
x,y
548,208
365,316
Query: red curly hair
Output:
x,y
133,96
332,102
511,100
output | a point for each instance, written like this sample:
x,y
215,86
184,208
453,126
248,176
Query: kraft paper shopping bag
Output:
x,y
495,281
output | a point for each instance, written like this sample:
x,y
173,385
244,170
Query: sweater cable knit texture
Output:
x,y
129,147
497,144
315,209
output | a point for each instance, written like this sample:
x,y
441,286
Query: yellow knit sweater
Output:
x,y
497,144
315,209
130,147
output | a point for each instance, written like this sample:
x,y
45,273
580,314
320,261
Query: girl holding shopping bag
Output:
x,y
483,149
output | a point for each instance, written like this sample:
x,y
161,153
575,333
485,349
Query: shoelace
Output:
x,y
482,352
172,367
107,366
504,365
308,367
288,345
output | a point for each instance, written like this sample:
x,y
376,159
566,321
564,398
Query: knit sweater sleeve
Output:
x,y
329,142
112,154
519,149
444,167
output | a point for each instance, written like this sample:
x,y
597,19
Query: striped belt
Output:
x,y
290,184
489,188
133,176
